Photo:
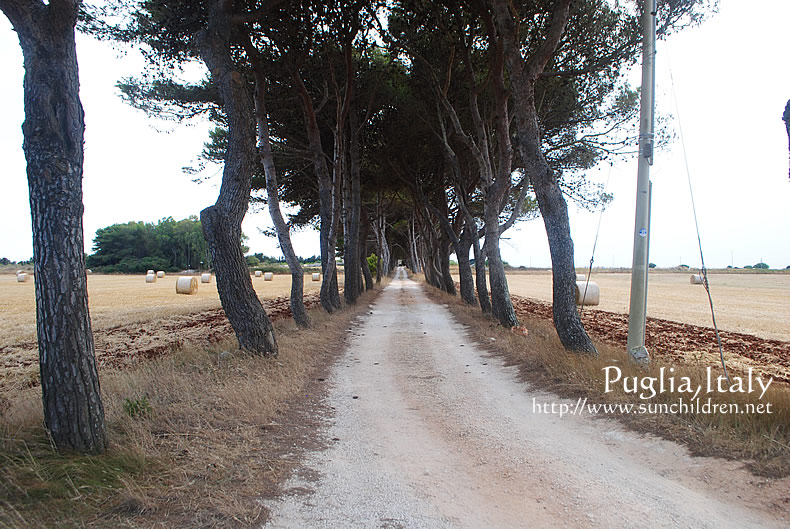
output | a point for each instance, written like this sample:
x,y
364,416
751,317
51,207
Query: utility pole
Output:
x,y
638,311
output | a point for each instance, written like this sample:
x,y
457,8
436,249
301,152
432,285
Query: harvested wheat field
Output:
x,y
755,304
751,313
131,319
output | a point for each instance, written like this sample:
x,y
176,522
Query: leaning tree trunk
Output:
x,y
414,257
383,250
480,268
501,305
363,249
334,285
555,217
353,195
480,276
222,221
325,194
448,284
552,205
53,132
365,267
465,276
298,310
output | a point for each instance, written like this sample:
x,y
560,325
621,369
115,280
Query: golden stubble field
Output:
x,y
123,299
757,304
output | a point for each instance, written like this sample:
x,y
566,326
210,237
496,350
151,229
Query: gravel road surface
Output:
x,y
427,430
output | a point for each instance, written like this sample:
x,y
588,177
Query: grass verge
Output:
x,y
198,437
762,440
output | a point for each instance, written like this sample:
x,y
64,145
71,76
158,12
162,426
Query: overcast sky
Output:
x,y
731,80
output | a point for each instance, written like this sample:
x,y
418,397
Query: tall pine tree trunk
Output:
x,y
53,144
552,204
383,250
480,275
501,305
325,195
363,244
353,272
222,221
448,284
470,226
414,257
298,310
465,276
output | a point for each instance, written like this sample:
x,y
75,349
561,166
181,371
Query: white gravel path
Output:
x,y
429,431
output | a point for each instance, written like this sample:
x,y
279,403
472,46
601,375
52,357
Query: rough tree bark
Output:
x,y
501,304
491,148
298,310
480,269
480,275
465,276
363,245
222,221
53,144
414,258
444,263
380,231
553,208
326,196
353,272
447,238
497,191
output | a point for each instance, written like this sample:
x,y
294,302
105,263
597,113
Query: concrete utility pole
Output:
x,y
638,310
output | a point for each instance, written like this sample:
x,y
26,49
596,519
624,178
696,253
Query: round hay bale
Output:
x,y
258,273
88,271
268,276
187,285
696,279
205,278
150,272
160,274
316,276
21,278
581,277
20,272
150,278
587,293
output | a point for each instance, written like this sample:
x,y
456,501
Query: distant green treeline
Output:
x,y
135,247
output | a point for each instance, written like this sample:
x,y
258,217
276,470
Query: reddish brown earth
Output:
x,y
674,341
125,345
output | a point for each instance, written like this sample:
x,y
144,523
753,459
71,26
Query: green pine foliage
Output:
x,y
135,247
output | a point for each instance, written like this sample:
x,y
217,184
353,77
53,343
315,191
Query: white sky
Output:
x,y
732,84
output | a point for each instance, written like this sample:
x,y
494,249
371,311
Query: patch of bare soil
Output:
x,y
125,345
675,341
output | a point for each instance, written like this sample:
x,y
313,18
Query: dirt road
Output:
x,y
427,431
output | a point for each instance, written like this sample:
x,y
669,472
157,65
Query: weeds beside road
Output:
x,y
197,436
762,440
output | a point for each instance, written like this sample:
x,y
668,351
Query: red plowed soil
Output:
x,y
125,345
674,341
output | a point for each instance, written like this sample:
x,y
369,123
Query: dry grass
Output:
x,y
761,439
750,303
123,299
197,437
